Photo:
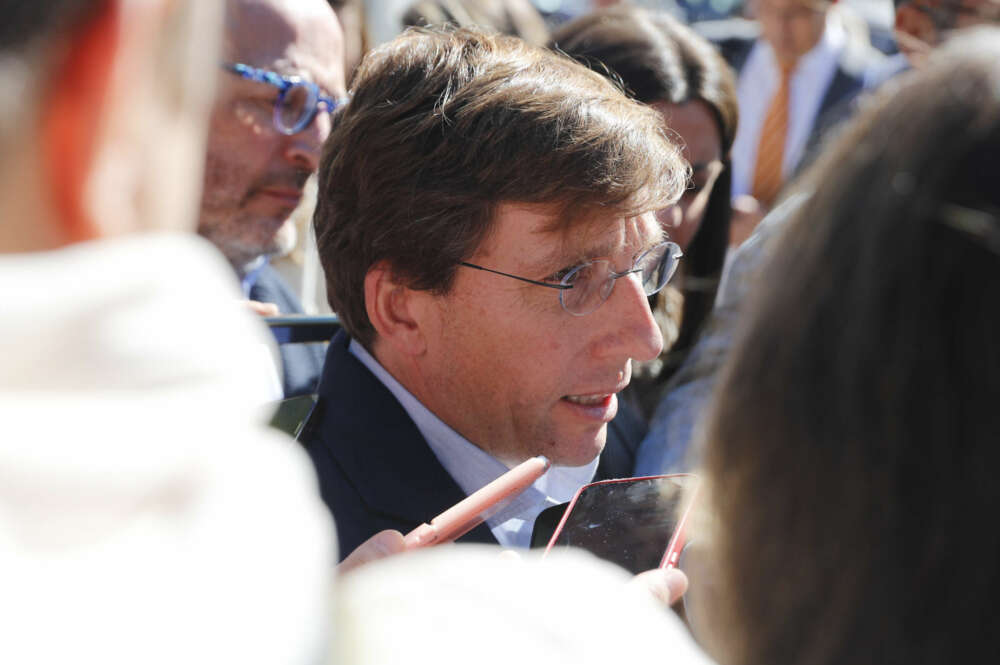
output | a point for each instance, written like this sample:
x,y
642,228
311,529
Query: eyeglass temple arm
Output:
x,y
560,287
255,74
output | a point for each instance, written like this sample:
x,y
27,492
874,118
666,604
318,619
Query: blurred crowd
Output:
x,y
754,241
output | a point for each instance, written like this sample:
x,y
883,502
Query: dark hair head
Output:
x,y
853,444
657,58
444,125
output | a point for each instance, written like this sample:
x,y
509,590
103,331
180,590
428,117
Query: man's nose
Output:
x,y
632,330
305,147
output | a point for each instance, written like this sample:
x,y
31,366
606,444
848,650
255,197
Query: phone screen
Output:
x,y
628,522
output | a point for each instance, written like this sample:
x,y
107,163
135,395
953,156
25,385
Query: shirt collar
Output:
x,y
472,467
251,272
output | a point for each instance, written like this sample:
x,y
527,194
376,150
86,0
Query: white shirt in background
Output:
x,y
758,82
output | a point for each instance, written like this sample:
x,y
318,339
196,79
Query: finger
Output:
x,y
379,546
263,308
666,585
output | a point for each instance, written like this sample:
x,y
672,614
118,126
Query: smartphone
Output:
x,y
637,523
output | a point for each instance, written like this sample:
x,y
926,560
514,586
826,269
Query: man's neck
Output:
x,y
400,367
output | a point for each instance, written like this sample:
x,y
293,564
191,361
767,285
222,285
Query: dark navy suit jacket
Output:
x,y
301,364
375,469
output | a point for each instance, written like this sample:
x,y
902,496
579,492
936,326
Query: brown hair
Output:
x,y
852,446
657,58
444,125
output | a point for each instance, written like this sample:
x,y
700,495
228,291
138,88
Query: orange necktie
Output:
x,y
767,178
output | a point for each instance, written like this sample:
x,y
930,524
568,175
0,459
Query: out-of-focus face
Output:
x,y
146,172
792,27
921,24
512,371
254,173
696,126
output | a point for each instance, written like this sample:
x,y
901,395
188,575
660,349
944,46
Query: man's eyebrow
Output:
x,y
558,259
571,256
566,255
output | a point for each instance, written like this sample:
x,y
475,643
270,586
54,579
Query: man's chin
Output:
x,y
583,452
274,246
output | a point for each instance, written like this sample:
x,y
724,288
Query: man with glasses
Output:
x,y
281,76
485,221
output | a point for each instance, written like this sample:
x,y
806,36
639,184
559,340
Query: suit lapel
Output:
x,y
380,449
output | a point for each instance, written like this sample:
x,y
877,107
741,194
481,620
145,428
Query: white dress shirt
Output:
x,y
471,467
758,82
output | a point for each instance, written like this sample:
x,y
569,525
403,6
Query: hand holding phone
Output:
x,y
474,509
637,523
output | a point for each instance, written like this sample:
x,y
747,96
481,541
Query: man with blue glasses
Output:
x,y
281,76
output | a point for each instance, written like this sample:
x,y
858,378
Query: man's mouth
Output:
x,y
287,195
286,187
587,400
596,408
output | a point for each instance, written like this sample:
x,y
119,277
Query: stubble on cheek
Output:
x,y
224,218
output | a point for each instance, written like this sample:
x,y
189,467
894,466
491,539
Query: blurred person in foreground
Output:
x,y
668,66
127,533
486,222
462,604
677,417
852,448
283,73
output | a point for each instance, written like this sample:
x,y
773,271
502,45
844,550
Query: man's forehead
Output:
x,y
291,37
554,238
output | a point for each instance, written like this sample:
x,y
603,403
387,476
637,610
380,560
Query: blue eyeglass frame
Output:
x,y
283,83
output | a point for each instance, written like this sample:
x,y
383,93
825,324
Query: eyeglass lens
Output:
x,y
593,282
295,108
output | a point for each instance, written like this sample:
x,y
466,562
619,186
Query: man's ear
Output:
x,y
395,310
71,118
